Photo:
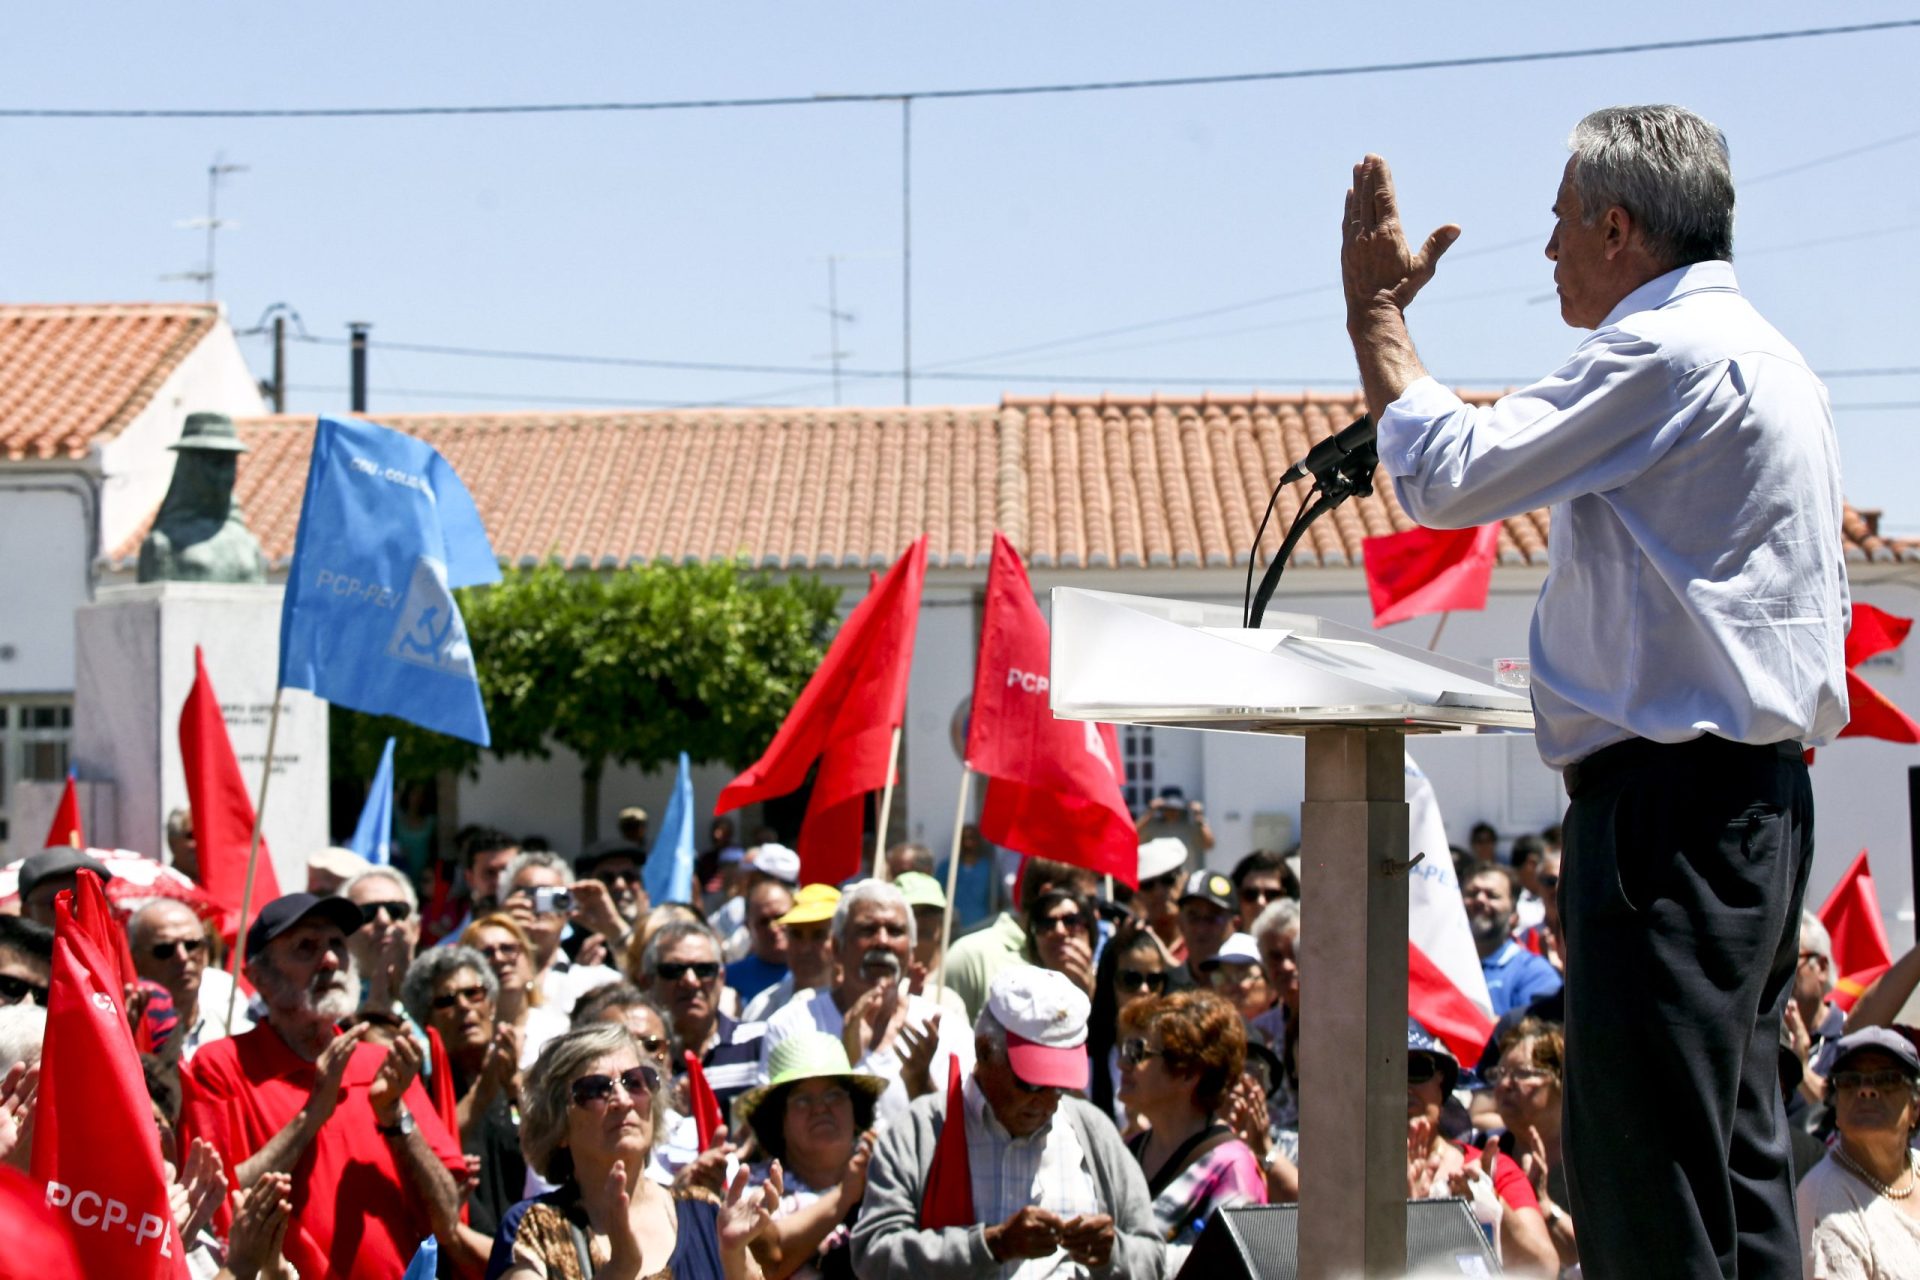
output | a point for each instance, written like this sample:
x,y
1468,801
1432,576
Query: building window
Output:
x,y
36,736
1136,749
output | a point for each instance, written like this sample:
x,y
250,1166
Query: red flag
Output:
x,y
948,1201
1054,789
1444,1009
66,820
94,1144
445,1101
1874,631
222,811
706,1107
844,718
1429,571
1852,916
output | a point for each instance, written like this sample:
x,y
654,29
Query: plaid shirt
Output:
x,y
1046,1168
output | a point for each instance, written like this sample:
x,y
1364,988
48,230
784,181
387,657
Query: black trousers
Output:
x,y
1680,894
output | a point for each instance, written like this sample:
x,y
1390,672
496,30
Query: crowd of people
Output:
x,y
526,1087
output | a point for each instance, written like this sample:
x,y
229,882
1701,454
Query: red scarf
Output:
x,y
949,1196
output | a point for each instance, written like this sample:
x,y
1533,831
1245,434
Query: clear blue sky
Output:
x,y
703,235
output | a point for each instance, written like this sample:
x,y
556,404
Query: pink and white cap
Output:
x,y
1045,1017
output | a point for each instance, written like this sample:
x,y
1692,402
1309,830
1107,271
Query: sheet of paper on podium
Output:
x,y
1142,660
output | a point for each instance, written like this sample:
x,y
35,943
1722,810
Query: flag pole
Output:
x,y
1438,629
953,881
886,809
253,860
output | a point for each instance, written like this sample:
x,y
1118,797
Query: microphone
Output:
x,y
1332,451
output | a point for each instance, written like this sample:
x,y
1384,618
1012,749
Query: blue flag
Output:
x,y
668,875
426,1262
386,531
373,834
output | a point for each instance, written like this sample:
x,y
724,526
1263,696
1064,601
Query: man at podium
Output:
x,y
1686,647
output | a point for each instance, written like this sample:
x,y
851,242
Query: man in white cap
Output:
x,y
1003,1175
1162,862
764,864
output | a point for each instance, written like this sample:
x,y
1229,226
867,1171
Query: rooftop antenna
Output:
x,y
212,224
834,318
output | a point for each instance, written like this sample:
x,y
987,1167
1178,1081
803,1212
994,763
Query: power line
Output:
x,y
1004,91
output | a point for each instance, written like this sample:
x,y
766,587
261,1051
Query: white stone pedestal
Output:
x,y
134,667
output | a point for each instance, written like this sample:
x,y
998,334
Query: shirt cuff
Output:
x,y
1402,431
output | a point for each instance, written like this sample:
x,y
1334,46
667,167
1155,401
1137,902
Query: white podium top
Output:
x,y
1141,660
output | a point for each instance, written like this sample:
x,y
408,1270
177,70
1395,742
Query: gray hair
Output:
x,y
390,873
424,974
871,891
179,822
1666,167
23,1030
548,1095
1276,918
669,933
534,858
988,1027
1814,936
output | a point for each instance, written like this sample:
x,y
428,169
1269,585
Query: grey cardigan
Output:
x,y
888,1241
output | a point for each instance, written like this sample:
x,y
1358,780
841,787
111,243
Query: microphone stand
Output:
x,y
1344,478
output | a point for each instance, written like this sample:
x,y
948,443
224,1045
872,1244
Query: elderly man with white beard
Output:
x,y
374,1171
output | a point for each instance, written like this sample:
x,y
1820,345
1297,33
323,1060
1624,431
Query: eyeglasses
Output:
x,y
652,1045
187,946
13,990
597,1090
1421,1067
1066,922
475,994
1812,955
673,971
1134,1051
1140,980
396,911
1234,975
1877,1080
501,951
1496,1076
1252,893
826,1100
1157,883
628,875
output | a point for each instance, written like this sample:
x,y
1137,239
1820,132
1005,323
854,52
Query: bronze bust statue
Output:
x,y
199,535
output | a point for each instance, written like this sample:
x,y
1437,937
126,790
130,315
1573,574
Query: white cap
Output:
x,y
1161,855
335,861
775,860
1238,949
1045,1017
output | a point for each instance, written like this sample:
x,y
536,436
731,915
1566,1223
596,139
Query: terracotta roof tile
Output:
x,y
71,374
1087,482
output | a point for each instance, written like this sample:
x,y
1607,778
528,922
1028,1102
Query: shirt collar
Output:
x,y
1505,954
1658,292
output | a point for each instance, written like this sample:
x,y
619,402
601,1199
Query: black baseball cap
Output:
x,y
285,912
1209,886
600,850
60,860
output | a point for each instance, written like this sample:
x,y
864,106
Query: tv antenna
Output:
x,y
835,316
212,224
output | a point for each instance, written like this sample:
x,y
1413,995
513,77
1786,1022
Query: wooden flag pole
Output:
x,y
886,809
1438,629
253,859
953,882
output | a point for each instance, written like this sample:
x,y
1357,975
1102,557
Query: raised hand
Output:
x,y
917,1045
203,1184
329,1069
709,1168
18,1091
401,1066
260,1217
853,1184
745,1214
1076,961
1376,265
594,911
502,1062
620,1233
1533,1162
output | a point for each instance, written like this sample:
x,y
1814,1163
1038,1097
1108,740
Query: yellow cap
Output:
x,y
814,903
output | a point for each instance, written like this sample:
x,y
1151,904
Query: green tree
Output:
x,y
630,667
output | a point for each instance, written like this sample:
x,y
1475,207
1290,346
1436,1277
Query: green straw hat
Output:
x,y
808,1055
921,890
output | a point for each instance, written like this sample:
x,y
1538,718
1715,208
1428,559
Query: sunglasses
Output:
x,y
1548,880
673,970
1496,1076
1877,1080
501,951
1166,881
186,946
629,875
596,1090
396,911
1134,1051
1421,1067
475,994
13,990
1253,893
1140,980
1068,922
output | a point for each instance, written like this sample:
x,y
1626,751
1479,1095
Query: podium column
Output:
x,y
1353,1005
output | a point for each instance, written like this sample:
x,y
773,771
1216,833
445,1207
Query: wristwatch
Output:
x,y
399,1128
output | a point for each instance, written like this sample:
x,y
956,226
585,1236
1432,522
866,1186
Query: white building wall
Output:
x,y
46,541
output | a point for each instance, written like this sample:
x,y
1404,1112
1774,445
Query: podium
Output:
x,y
1354,696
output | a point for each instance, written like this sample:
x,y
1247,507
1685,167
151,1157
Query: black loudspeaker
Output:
x,y
1262,1242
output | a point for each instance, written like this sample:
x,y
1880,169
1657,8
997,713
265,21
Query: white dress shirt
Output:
x,y
1696,581
1047,1168
814,1010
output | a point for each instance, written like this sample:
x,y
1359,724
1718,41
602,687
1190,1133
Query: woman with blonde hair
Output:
x,y
508,952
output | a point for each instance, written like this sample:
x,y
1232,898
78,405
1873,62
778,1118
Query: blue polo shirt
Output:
x,y
1515,975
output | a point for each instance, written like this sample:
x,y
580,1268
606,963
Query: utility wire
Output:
x,y
1004,91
